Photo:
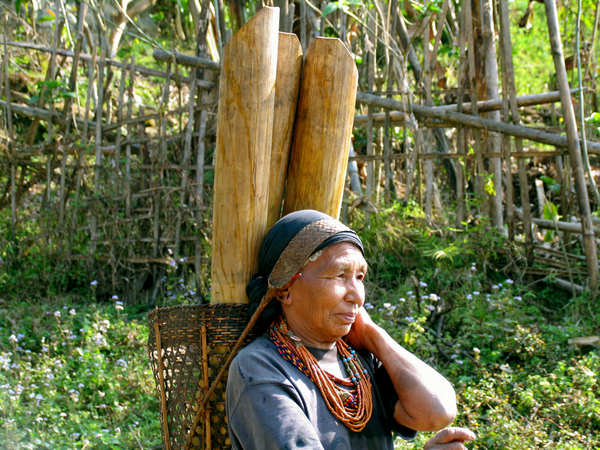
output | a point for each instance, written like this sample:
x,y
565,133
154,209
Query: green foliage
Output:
x,y
74,376
30,266
343,5
594,122
51,92
550,212
531,48
552,185
489,187
519,383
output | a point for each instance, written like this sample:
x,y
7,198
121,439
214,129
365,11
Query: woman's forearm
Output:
x,y
427,401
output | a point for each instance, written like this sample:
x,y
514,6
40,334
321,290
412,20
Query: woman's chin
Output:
x,y
342,330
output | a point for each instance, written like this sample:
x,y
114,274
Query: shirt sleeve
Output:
x,y
390,398
270,417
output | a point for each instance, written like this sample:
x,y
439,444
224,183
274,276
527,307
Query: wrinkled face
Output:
x,y
321,304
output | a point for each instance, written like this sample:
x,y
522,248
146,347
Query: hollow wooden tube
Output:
x,y
323,129
243,153
287,87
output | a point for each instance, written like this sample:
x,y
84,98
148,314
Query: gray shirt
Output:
x,y
271,405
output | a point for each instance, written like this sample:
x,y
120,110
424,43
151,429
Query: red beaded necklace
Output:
x,y
352,403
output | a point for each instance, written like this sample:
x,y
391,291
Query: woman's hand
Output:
x,y
450,439
356,337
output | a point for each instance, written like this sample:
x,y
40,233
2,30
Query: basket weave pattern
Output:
x,y
183,376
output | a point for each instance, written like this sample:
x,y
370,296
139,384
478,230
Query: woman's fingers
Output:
x,y
355,337
450,439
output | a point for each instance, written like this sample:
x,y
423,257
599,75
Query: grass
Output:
x,y
74,376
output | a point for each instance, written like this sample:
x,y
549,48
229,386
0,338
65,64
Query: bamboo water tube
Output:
x,y
243,154
323,129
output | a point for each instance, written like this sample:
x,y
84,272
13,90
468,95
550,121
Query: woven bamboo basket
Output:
x,y
188,346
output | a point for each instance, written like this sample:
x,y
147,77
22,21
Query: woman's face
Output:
x,y
321,304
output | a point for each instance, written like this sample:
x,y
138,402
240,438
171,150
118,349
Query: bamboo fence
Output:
x,y
122,174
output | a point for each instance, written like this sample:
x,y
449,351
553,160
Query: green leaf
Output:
x,y
18,6
46,19
490,189
417,7
551,211
594,118
552,184
549,181
555,188
34,99
331,7
53,84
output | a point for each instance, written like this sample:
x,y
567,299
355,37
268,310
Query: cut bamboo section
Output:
x,y
287,87
243,153
323,129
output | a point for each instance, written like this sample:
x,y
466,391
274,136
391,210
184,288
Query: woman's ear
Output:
x,y
284,296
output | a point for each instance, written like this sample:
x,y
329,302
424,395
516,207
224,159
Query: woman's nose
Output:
x,y
356,292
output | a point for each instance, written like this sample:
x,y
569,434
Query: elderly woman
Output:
x,y
324,376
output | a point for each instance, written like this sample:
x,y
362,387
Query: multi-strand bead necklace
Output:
x,y
350,399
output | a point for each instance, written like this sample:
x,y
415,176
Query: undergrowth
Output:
x,y
74,372
458,300
74,376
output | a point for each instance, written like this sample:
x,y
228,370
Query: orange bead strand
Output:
x,y
349,400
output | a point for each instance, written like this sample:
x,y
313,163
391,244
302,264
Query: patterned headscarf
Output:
x,y
286,249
